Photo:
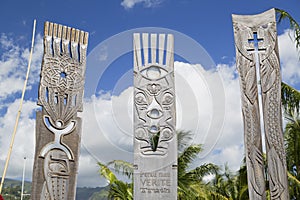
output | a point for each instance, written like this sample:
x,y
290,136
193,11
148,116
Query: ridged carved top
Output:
x,y
63,72
263,25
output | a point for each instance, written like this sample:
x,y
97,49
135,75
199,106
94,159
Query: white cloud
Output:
x,y
107,119
108,132
13,66
289,58
127,4
108,123
24,141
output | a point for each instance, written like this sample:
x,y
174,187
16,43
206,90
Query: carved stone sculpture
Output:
x,y
262,56
155,141
58,129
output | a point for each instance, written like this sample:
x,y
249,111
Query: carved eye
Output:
x,y
265,26
154,72
167,134
140,133
140,99
57,167
154,113
168,98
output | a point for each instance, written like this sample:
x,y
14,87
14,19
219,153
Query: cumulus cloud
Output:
x,y
108,122
289,58
24,141
108,130
13,66
107,119
127,4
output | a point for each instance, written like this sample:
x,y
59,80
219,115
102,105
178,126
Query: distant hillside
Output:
x,y
12,189
86,193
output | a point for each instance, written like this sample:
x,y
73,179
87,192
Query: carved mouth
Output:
x,y
154,139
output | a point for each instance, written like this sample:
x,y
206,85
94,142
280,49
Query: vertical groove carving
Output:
x,y
58,128
245,28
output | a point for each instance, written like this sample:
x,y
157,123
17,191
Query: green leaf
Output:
x,y
282,15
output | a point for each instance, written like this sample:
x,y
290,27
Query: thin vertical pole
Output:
x,y
23,178
20,109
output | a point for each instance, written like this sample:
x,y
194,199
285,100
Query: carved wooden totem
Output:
x,y
262,56
155,140
58,129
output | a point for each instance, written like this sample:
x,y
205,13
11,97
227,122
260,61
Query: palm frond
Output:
x,y
282,15
203,170
120,190
107,173
123,167
243,194
290,98
187,156
184,139
293,179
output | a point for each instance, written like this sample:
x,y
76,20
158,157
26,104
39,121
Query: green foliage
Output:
x,y
290,98
123,167
292,146
283,15
118,189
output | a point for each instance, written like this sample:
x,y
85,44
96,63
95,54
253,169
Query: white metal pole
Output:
x,y
24,167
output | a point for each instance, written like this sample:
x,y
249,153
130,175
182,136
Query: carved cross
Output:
x,y
254,44
257,58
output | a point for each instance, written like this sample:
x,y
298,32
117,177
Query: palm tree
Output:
x,y
291,102
190,182
118,189
226,185
283,15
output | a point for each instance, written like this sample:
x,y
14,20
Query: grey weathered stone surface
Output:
x,y
58,129
245,29
155,141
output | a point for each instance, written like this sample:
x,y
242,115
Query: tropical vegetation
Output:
x,y
211,182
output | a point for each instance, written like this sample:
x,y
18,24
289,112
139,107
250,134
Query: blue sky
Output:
x,y
207,23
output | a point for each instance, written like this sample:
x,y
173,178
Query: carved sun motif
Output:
x,y
63,73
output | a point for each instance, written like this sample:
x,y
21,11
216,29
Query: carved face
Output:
x,y
56,172
154,103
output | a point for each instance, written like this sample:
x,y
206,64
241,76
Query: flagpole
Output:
x,y
19,111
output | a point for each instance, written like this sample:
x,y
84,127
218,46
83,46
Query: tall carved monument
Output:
x,y
257,56
155,140
58,129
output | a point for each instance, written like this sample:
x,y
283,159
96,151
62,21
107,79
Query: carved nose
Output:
x,y
154,110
